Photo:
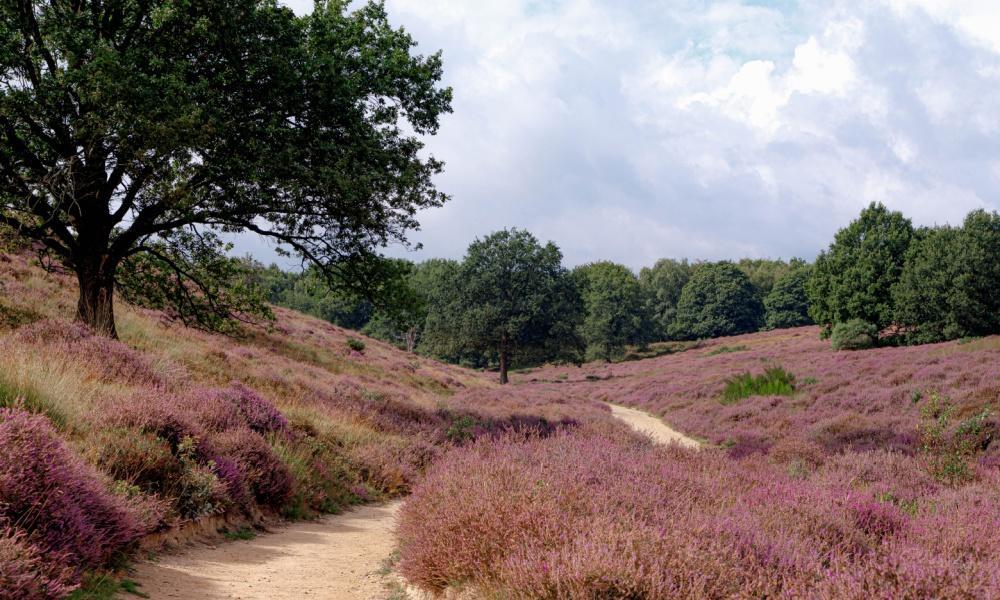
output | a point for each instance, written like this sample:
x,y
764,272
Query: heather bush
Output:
x,y
605,515
27,573
61,502
111,361
854,335
265,476
775,381
259,413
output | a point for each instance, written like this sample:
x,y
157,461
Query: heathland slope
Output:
x,y
117,439
822,474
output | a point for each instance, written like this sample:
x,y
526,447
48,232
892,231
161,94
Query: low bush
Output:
x,y
265,476
27,573
57,499
356,344
775,381
588,515
854,335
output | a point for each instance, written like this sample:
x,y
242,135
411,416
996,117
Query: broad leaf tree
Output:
x,y
511,297
662,283
133,132
853,279
719,300
787,304
616,310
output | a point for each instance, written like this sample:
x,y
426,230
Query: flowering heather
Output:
x,y
109,360
27,573
603,514
266,477
843,400
56,498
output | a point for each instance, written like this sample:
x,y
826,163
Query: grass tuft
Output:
x,y
775,381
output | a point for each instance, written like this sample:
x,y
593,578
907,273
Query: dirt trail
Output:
x,y
336,558
647,423
331,559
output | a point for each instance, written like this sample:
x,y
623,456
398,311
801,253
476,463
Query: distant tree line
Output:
x,y
511,303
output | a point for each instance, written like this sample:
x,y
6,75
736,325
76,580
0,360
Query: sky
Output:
x,y
633,130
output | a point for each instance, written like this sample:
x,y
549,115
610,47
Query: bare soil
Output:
x,y
334,558
646,423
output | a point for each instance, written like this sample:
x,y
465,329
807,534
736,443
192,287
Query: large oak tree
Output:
x,y
132,132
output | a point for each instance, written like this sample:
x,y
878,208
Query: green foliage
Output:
x,y
462,429
136,120
765,273
787,304
241,533
356,344
775,381
662,284
950,282
854,335
615,309
854,277
310,292
106,587
948,453
437,282
719,300
192,279
513,295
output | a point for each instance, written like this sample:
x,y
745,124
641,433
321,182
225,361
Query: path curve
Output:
x,y
334,558
644,422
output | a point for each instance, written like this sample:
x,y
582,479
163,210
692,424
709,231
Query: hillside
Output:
x,y
860,471
170,424
823,474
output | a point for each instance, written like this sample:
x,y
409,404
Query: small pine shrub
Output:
x,y
854,335
356,344
775,381
949,453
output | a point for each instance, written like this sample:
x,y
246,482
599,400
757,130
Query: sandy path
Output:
x,y
331,559
647,423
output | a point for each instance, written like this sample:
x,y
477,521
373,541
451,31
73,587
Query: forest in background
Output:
x,y
511,303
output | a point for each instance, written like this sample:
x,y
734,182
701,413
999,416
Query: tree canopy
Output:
x,y
719,300
615,309
949,285
133,131
512,296
853,279
787,304
662,284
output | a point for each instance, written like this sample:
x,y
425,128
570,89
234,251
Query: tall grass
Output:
x,y
774,381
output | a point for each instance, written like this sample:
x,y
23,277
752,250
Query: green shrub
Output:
x,y
356,344
854,335
775,381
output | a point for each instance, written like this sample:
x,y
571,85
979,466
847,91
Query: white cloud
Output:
x,y
636,130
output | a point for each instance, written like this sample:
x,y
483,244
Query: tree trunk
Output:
x,y
504,365
96,305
